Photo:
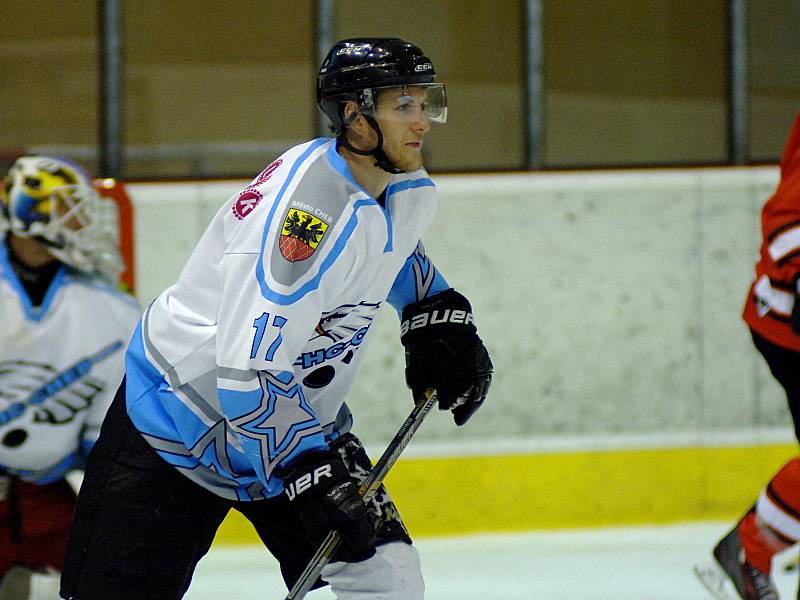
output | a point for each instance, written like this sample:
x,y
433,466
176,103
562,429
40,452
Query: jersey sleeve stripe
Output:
x,y
410,184
778,300
785,244
424,273
389,229
390,191
149,350
783,228
236,375
777,518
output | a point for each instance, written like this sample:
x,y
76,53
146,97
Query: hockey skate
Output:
x,y
731,568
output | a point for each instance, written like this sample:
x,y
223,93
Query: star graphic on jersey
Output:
x,y
214,450
289,416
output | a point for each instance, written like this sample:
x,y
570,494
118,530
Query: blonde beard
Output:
x,y
406,164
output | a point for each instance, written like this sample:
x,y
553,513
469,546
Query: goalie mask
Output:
x,y
358,69
53,200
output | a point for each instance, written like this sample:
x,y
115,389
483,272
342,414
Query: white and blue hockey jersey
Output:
x,y
60,366
245,362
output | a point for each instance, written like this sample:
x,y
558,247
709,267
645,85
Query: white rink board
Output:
x,y
610,301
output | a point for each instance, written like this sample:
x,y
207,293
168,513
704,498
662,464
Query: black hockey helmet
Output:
x,y
356,64
356,69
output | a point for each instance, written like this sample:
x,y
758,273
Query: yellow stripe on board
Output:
x,y
450,496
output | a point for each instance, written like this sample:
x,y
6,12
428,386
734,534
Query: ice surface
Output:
x,y
626,563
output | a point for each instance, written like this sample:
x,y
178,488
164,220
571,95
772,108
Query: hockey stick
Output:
x,y
368,489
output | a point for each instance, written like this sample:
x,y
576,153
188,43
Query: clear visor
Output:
x,y
407,103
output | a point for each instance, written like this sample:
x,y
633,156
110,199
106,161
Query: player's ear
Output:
x,y
352,118
349,112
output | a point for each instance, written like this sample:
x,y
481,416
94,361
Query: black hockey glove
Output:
x,y
444,352
319,487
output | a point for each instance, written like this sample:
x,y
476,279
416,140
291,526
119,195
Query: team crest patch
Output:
x,y
300,235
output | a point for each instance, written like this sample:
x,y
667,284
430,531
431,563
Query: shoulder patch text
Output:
x,y
300,235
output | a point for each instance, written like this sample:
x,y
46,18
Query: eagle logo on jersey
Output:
x,y
345,320
300,235
346,326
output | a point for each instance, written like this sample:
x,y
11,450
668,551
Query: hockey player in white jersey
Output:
x,y
62,342
237,375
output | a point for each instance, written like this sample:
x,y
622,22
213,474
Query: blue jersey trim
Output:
x,y
389,227
157,412
390,191
330,258
152,406
269,294
86,446
312,284
339,164
31,312
410,184
404,290
53,474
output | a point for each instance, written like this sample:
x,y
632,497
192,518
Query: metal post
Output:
x,y
534,84
325,26
738,84
110,82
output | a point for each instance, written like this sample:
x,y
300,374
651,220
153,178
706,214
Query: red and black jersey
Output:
x,y
771,297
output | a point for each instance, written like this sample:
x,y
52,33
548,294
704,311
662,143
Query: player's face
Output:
x,y
402,117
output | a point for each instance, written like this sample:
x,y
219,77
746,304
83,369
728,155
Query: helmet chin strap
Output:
x,y
381,160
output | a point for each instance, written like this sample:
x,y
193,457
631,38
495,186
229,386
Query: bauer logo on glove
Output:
x,y
437,317
306,480
444,352
321,490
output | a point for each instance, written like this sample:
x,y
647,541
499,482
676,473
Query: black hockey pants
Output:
x,y
784,365
141,526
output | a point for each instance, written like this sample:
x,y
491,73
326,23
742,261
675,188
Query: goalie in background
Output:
x,y
64,331
236,378
772,312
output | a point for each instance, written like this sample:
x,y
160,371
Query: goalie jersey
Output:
x,y
60,366
245,361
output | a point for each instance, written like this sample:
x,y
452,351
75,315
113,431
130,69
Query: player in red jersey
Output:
x,y
772,312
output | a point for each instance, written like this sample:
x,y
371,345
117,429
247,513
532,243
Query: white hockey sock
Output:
x,y
394,573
